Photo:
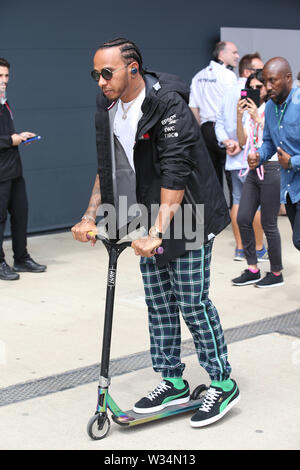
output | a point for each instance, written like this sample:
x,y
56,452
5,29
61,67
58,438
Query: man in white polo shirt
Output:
x,y
207,90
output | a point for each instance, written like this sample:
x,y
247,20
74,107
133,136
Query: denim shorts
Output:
x,y
237,185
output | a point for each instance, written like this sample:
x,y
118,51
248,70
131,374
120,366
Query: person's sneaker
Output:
x,y
247,277
165,394
29,266
262,255
216,403
239,255
6,273
270,280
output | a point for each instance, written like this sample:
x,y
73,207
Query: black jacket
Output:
x,y
169,153
10,161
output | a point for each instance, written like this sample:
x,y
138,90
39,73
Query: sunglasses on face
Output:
x,y
257,87
106,73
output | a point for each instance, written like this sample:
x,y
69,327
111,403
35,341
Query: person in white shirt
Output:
x,y
206,93
261,188
226,132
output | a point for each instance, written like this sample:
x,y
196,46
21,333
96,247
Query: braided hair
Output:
x,y
129,51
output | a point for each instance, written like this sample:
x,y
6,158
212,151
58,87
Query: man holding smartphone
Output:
x,y
13,198
281,135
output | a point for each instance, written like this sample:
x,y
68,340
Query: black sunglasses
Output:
x,y
107,74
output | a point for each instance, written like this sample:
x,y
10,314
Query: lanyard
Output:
x,y
255,135
279,119
10,112
252,141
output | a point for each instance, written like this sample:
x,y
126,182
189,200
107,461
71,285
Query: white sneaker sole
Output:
x,y
205,422
246,283
154,409
271,285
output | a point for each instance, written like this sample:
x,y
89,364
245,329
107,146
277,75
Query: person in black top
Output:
x,y
13,198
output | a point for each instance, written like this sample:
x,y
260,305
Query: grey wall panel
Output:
x,y
67,148
51,189
268,42
50,46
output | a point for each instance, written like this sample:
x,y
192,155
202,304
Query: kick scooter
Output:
x,y
99,425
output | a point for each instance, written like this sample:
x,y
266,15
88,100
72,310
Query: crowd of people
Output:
x,y
161,144
232,124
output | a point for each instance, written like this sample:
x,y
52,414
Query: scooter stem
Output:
x,y
114,250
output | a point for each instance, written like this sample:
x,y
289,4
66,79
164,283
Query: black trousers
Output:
x,y
217,154
13,200
265,193
293,213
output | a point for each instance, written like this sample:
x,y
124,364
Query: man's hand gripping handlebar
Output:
x,y
137,245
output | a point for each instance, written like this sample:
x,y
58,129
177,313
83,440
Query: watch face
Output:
x,y
153,232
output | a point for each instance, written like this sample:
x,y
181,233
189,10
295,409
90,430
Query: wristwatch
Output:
x,y
290,166
154,232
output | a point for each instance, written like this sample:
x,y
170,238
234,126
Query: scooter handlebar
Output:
x,y
90,235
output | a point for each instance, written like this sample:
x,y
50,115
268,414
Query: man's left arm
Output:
x,y
295,162
193,102
5,142
287,161
176,135
220,131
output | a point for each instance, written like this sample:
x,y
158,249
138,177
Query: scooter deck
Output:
x,y
130,418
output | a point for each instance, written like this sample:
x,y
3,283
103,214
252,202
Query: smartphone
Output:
x,y
254,95
37,137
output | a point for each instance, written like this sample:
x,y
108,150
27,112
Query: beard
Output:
x,y
280,97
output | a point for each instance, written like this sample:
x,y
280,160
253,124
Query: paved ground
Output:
x,y
51,324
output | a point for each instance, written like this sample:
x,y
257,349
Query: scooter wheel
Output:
x,y
198,392
98,426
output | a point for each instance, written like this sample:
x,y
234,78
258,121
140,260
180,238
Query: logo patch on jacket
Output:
x,y
169,120
169,127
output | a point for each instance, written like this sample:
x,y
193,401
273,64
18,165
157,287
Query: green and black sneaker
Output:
x,y
165,394
218,400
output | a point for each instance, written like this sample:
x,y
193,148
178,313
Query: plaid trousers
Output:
x,y
182,286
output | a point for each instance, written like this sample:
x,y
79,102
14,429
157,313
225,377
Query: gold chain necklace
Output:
x,y
125,111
